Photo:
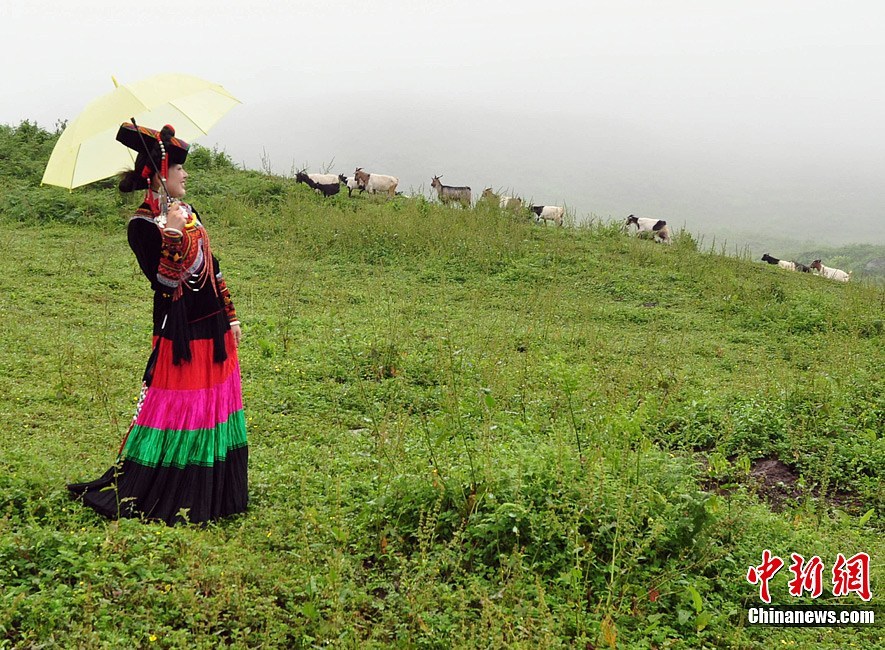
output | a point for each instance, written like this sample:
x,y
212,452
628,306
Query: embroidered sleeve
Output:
x,y
173,251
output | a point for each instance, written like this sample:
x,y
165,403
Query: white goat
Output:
x,y
833,274
504,202
374,183
547,213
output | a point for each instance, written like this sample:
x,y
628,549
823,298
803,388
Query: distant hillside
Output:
x,y
602,165
865,260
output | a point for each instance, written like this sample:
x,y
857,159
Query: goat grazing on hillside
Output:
x,y
833,274
504,202
658,227
374,183
547,213
784,264
350,183
326,184
450,193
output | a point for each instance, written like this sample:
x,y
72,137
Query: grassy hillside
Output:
x,y
866,262
465,430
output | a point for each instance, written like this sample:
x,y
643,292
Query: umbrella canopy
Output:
x,y
87,150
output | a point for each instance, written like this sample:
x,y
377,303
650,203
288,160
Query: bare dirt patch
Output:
x,y
775,482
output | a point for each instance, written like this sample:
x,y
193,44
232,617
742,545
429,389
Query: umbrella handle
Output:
x,y
164,193
164,199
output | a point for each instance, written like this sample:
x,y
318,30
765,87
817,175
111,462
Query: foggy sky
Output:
x,y
728,117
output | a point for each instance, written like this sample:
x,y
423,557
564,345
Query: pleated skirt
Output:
x,y
185,456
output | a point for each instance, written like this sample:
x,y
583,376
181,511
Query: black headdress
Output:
x,y
156,151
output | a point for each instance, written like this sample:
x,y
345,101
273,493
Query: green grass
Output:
x,y
465,430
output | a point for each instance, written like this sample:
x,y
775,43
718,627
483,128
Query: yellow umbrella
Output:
x,y
87,150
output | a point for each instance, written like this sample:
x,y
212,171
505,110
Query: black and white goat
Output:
x,y
547,213
351,184
784,264
326,184
658,227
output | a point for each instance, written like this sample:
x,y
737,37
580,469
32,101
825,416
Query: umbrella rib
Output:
x,y
188,117
74,167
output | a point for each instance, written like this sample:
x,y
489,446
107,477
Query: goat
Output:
x,y
784,264
489,196
450,193
504,202
802,268
350,183
832,274
547,213
658,227
326,184
374,183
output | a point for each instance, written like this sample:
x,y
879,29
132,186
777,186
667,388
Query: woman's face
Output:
x,y
175,183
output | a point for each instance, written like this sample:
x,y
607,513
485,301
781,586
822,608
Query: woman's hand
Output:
x,y
176,217
237,332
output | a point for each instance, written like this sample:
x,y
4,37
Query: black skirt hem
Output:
x,y
194,494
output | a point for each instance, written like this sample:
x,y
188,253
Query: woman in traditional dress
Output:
x,y
185,455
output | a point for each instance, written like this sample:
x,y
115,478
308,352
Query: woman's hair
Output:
x,y
147,165
130,180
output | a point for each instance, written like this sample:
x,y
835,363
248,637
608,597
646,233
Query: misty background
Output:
x,y
757,123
